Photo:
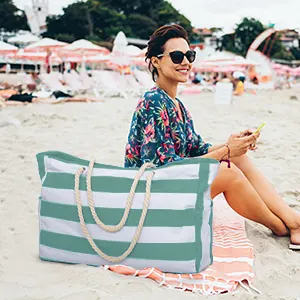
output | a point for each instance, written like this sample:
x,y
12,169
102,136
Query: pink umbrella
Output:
x,y
85,47
45,44
98,58
34,56
7,48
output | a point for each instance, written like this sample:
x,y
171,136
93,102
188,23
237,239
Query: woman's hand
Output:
x,y
248,132
240,145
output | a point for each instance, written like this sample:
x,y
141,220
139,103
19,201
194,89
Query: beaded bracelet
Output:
x,y
228,159
226,145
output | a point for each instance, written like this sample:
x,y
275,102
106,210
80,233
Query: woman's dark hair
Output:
x,y
158,40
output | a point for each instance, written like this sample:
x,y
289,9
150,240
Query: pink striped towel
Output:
x,y
233,259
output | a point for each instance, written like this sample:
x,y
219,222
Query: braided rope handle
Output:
x,y
139,229
129,201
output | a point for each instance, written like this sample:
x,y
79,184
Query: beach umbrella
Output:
x,y
138,61
120,43
85,47
98,58
34,57
23,39
6,48
119,56
220,56
45,44
143,52
132,50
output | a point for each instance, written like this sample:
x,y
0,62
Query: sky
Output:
x,y
220,13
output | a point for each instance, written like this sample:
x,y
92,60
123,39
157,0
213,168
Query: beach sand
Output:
x,y
100,130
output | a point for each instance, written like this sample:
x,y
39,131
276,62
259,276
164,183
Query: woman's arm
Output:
x,y
215,147
217,152
157,145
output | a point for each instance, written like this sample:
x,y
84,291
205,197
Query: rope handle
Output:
x,y
119,226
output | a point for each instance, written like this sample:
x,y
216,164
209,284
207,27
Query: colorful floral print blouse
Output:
x,y
157,133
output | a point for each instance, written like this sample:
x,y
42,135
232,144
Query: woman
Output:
x,y
162,131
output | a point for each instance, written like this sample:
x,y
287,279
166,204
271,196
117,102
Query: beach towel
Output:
x,y
169,225
233,259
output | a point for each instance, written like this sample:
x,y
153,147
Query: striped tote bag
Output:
x,y
96,214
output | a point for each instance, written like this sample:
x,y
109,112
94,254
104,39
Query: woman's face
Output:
x,y
166,68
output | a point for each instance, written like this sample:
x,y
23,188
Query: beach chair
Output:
x,y
127,83
105,84
74,82
51,82
144,79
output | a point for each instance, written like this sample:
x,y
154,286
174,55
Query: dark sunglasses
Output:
x,y
178,56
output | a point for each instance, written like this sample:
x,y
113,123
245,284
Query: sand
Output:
x,y
100,130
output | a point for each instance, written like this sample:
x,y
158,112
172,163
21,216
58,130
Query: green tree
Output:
x,y
107,22
296,53
245,33
102,19
141,26
164,13
74,22
12,18
215,29
228,43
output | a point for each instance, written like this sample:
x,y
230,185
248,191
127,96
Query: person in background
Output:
x,y
239,88
197,78
288,80
215,78
225,79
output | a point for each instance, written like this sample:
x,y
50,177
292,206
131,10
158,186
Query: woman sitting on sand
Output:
x,y
162,131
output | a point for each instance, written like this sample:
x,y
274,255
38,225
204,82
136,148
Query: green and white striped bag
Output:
x,y
169,225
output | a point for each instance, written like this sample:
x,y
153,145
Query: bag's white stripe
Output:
x,y
173,172
118,200
89,259
213,170
149,234
206,230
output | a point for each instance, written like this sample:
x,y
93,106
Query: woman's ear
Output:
x,y
155,62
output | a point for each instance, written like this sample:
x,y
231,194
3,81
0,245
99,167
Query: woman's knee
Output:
x,y
231,172
225,178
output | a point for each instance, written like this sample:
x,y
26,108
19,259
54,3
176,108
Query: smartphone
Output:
x,y
259,128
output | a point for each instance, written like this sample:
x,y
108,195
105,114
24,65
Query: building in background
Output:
x,y
206,35
290,38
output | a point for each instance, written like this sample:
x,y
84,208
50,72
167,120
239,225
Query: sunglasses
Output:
x,y
178,56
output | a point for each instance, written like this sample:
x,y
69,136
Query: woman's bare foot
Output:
x,y
284,232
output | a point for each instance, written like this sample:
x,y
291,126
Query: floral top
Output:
x,y
158,135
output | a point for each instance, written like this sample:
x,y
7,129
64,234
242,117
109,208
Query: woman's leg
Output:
x,y
244,199
271,198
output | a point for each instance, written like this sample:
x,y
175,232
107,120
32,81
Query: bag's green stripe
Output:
x,y
112,216
120,185
64,157
203,174
176,252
